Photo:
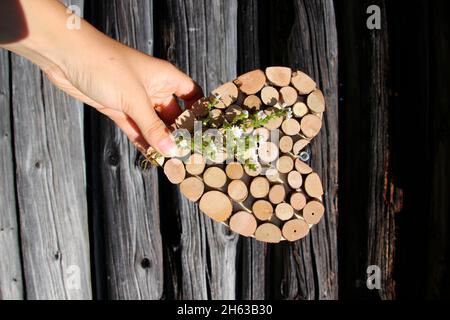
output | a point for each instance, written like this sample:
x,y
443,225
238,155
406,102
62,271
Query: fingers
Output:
x,y
188,89
169,110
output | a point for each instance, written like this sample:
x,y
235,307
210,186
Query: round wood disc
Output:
x,y
279,76
294,230
274,123
214,177
302,167
277,194
226,94
300,109
251,82
313,185
243,223
291,127
252,103
299,146
263,210
174,170
262,134
232,112
195,165
311,125
284,211
285,164
298,201
216,205
259,188
303,83
268,152
295,179
192,188
270,96
268,232
313,212
316,101
237,190
273,175
289,95
286,144
234,171
253,172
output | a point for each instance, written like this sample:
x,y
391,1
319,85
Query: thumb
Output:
x,y
151,126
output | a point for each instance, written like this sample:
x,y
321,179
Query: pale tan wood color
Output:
x,y
268,152
291,127
299,146
251,82
313,212
316,101
238,191
216,205
192,188
285,164
215,177
286,144
252,103
263,210
279,76
300,109
273,175
243,223
277,194
174,170
234,171
251,172
311,125
289,96
259,188
226,94
275,123
302,167
295,229
284,211
303,83
295,179
298,201
263,134
270,96
195,165
313,185
268,232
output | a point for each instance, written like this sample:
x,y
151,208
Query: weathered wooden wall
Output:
x,y
75,202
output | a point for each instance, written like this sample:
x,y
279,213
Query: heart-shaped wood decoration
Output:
x,y
248,173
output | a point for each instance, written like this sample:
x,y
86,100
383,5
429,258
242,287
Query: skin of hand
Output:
x,y
133,89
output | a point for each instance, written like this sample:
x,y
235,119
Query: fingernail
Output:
x,y
167,146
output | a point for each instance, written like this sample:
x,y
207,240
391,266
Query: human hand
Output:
x,y
135,90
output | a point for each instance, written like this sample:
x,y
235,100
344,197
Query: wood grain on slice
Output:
x,y
289,96
252,103
302,167
295,179
237,190
234,171
273,175
311,125
302,82
186,121
275,123
316,101
268,232
195,165
285,164
270,96
232,112
216,205
313,212
263,210
215,177
286,144
174,170
217,118
279,76
251,82
263,134
299,146
192,188
277,194
259,188
243,223
297,201
268,152
313,185
291,127
284,211
226,94
295,229
253,172
299,109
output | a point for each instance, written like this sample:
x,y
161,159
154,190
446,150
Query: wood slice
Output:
x,y
270,96
273,175
295,230
252,103
215,177
291,127
285,164
237,190
186,121
298,201
284,211
216,205
313,185
277,194
232,112
316,101
251,82
263,210
268,152
226,94
174,170
279,76
195,165
217,118
275,123
311,125
289,96
302,167
263,134
313,212
259,188
300,109
268,232
243,223
200,107
299,146
253,173
286,144
234,171
303,83
192,188
295,179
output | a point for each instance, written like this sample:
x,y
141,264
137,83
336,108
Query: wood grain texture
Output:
x,y
49,146
130,198
11,284
200,38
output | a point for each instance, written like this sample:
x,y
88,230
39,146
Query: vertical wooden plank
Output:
x,y
51,183
200,38
130,196
11,284
308,29
252,252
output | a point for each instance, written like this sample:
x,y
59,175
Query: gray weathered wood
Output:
x,y
49,148
200,38
11,284
130,196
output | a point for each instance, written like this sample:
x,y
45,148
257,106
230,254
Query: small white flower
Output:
x,y
245,113
261,115
289,114
183,144
236,131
